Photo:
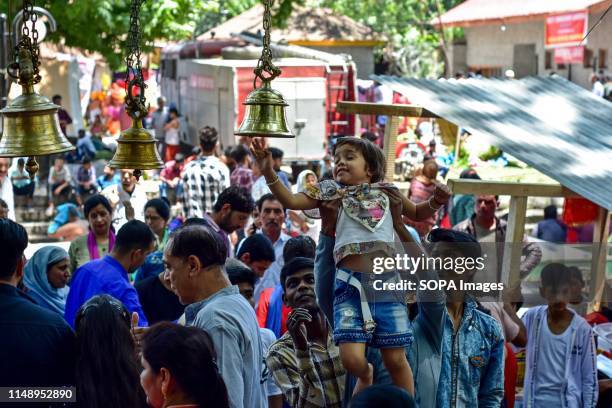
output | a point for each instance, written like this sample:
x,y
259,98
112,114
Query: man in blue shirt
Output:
x,y
195,258
109,275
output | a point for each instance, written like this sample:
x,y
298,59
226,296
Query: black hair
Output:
x,y
576,274
300,246
86,159
94,201
259,247
550,212
3,204
21,162
200,241
267,197
133,235
276,152
238,272
208,138
469,173
239,153
467,243
81,133
373,155
162,208
294,266
188,353
371,136
13,241
103,329
555,275
383,395
173,110
56,96
237,197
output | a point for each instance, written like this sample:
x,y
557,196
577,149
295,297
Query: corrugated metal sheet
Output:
x,y
553,125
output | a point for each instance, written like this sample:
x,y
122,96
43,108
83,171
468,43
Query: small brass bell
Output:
x,y
136,150
265,114
31,123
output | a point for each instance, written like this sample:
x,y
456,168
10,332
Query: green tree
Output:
x,y
102,25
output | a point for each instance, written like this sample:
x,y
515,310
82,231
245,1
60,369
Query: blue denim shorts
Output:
x,y
388,311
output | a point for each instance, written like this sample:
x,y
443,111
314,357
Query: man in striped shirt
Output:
x,y
205,178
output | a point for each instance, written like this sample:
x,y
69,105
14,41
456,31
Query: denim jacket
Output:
x,y
425,352
580,386
472,372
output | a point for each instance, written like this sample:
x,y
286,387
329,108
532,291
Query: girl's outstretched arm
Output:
x,y
299,201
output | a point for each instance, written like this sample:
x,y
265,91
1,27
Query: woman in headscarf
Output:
x,y
308,221
45,277
101,237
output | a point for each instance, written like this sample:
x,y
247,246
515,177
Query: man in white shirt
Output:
x,y
128,199
272,215
6,187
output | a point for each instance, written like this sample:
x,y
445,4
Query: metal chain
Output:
x,y
27,46
265,61
135,106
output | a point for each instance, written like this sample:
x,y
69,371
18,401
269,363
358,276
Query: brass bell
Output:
x,y
136,150
30,122
265,114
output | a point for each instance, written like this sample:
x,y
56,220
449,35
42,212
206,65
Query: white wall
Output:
x,y
490,46
362,56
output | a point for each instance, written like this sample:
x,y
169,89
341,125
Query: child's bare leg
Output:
x,y
354,361
398,367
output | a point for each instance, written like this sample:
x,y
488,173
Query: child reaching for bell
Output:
x,y
364,231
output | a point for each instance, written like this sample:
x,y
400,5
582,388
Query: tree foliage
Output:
x,y
415,47
102,25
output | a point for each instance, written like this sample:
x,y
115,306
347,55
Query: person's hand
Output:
x,y
57,191
329,216
297,328
137,333
304,227
442,194
130,214
396,204
262,155
251,230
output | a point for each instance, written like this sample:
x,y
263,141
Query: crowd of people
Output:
x,y
236,288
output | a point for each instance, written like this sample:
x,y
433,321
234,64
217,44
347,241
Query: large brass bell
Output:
x,y
265,114
136,150
30,122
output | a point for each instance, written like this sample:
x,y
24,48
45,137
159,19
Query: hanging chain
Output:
x,y
27,53
265,61
135,105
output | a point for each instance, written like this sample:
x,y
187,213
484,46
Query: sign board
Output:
x,y
569,55
565,30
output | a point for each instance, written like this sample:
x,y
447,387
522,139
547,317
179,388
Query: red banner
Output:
x,y
569,55
568,29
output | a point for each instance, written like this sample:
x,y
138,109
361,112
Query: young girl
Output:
x,y
364,231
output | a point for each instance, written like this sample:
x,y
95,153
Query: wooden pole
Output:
x,y
510,273
390,142
598,262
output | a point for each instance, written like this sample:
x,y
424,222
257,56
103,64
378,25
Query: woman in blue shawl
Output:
x,y
45,277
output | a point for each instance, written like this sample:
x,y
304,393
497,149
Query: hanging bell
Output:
x,y
265,114
30,122
136,150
